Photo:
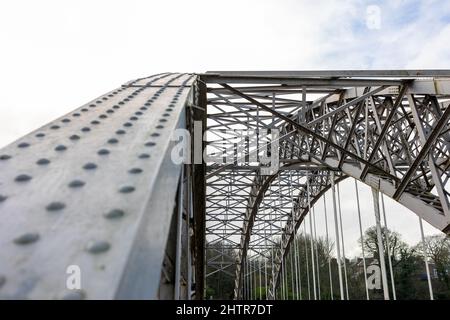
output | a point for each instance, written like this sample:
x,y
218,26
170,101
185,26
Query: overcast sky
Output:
x,y
57,55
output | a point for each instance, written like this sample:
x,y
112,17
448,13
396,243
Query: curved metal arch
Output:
x,y
407,200
392,136
292,227
262,184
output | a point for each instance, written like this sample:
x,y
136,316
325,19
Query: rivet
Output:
x,y
103,116
26,238
95,122
74,137
90,166
5,157
134,118
40,135
74,295
166,115
109,111
60,148
55,206
76,114
97,246
144,156
103,152
43,162
150,144
55,127
163,120
76,184
86,129
127,124
159,127
135,171
23,145
92,105
84,110
116,107
120,132
155,134
114,214
23,178
126,189
3,198
113,141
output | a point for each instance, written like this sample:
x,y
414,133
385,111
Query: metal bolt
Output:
x,y
90,166
126,189
103,152
114,214
43,162
60,148
23,178
76,184
55,206
144,156
96,247
74,137
26,238
135,171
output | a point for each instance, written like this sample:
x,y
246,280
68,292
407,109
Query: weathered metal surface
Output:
x,y
96,189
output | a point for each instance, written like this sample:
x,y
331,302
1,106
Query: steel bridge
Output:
x,y
100,188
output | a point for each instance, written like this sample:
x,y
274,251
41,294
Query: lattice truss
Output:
x,y
388,131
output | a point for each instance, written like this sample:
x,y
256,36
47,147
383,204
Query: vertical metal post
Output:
x,y
317,253
391,271
343,242
179,231
425,257
260,286
375,194
292,274
328,246
307,262
188,237
311,238
336,228
362,240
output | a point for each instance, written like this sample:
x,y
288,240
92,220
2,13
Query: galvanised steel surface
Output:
x,y
95,189
388,129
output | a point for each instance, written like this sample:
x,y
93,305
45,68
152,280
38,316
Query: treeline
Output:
x,y
297,279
